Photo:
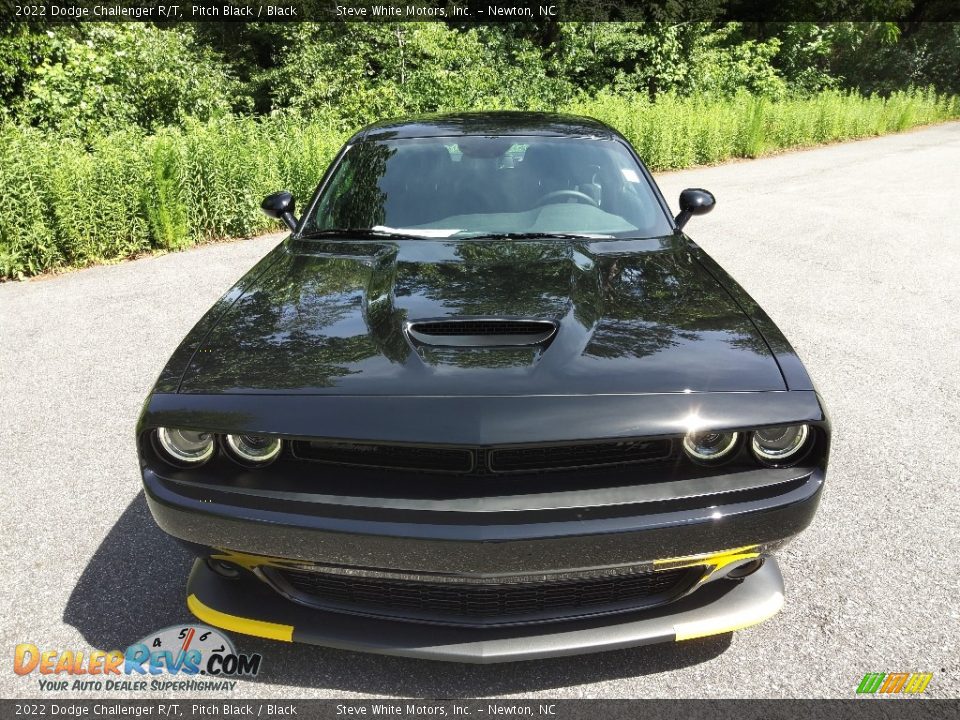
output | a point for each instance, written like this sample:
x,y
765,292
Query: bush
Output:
x,y
116,75
67,203
676,132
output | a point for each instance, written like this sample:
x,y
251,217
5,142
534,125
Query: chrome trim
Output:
x,y
247,460
696,455
783,456
174,456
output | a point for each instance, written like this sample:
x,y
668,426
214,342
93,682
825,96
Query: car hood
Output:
x,y
330,317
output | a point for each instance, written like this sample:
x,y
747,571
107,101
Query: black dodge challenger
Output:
x,y
486,402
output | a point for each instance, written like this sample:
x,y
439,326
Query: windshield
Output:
x,y
490,186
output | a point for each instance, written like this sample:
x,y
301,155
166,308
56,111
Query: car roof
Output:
x,y
487,123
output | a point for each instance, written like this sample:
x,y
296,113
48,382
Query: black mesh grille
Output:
x,y
481,461
569,456
483,327
402,457
467,604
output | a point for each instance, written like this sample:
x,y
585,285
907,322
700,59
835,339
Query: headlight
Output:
x,y
254,449
710,446
185,447
780,445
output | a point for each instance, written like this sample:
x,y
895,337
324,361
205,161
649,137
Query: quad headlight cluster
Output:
x,y
779,446
192,448
775,446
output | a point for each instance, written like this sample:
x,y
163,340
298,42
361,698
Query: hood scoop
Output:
x,y
481,332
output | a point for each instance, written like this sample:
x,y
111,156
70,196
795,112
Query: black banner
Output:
x,y
477,11
402,709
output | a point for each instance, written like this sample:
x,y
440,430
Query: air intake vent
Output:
x,y
489,603
481,332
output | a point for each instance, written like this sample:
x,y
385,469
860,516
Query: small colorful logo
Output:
x,y
900,683
186,651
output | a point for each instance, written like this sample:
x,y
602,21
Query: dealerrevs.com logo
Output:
x,y
901,683
184,652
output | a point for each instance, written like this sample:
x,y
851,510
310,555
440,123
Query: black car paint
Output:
x,y
634,316
652,336
694,201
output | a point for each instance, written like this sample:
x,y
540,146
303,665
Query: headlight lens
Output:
x,y
710,446
186,447
254,449
781,444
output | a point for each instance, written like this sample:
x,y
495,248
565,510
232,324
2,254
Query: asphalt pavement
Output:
x,y
853,249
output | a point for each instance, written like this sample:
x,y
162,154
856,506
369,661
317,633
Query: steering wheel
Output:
x,y
575,194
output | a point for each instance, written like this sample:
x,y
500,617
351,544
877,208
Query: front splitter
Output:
x,y
246,605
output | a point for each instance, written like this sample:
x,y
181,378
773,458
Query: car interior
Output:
x,y
478,184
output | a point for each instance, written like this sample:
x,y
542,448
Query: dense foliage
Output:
x,y
95,77
122,138
70,202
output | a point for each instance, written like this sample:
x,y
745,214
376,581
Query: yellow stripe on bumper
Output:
x,y
715,560
730,622
246,626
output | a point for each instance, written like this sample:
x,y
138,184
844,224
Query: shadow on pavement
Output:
x,y
135,584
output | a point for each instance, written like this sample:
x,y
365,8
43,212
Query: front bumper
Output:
x,y
550,543
488,542
484,532
246,605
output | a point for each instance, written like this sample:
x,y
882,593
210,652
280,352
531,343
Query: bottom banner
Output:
x,y
548,709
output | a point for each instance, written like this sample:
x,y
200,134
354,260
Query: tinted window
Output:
x,y
443,187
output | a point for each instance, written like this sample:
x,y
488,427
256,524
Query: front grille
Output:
x,y
572,456
484,461
485,603
399,457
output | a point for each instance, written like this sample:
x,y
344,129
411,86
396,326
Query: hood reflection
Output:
x,y
633,316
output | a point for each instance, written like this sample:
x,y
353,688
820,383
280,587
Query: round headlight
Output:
x,y
185,447
779,445
254,449
709,446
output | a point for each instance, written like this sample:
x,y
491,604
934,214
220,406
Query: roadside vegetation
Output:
x,y
121,139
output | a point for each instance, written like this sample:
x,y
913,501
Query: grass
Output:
x,y
68,204
680,132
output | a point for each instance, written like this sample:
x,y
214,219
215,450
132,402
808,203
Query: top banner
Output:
x,y
479,11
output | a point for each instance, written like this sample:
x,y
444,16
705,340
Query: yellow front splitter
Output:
x,y
235,623
247,605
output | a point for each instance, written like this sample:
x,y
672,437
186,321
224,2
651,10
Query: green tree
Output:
x,y
125,74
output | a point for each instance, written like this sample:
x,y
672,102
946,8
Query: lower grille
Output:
x,y
484,603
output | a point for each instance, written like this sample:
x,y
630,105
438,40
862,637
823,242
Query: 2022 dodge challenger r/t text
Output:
x,y
486,402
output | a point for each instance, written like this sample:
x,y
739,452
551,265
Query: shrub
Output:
x,y
119,74
69,203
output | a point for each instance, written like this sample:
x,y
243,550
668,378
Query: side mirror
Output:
x,y
279,205
694,201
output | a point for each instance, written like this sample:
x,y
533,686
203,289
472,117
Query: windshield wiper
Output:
x,y
536,236
354,233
